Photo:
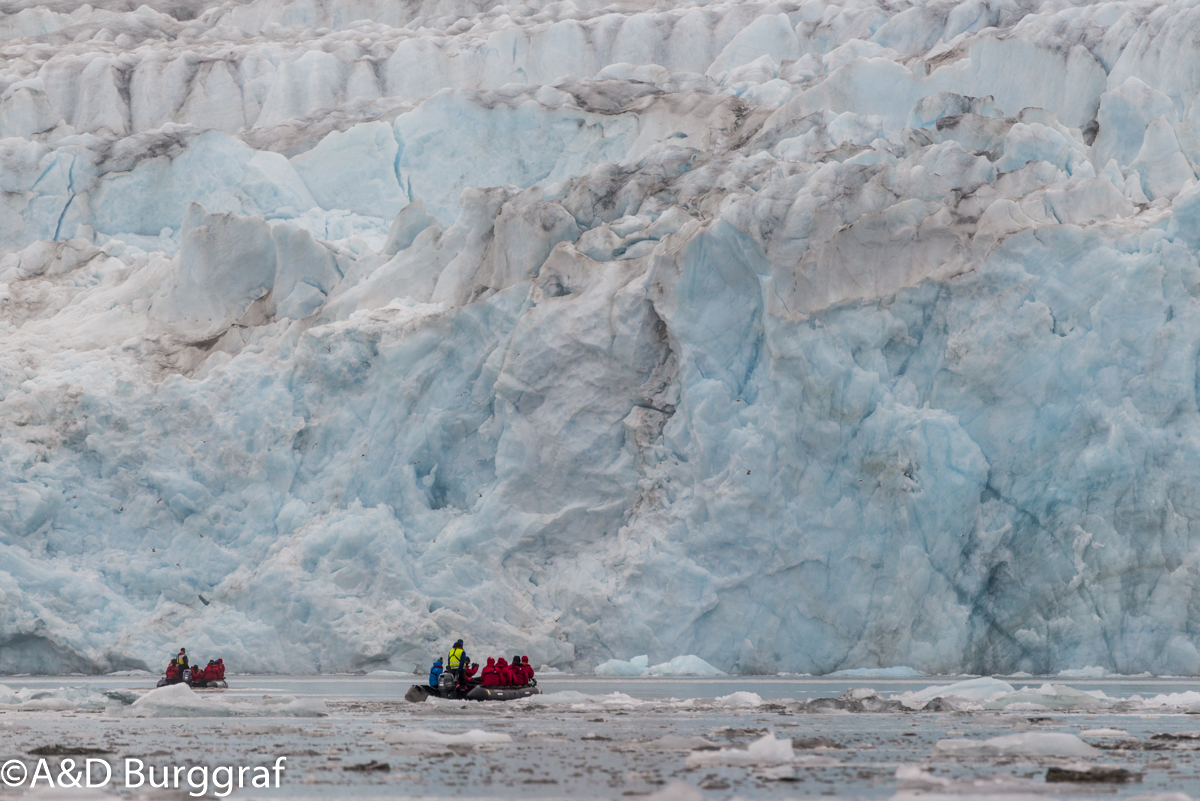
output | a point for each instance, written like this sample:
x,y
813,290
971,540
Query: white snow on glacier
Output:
x,y
795,336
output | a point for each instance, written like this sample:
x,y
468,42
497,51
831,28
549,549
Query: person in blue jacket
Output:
x,y
435,672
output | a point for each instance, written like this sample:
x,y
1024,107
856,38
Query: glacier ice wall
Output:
x,y
794,335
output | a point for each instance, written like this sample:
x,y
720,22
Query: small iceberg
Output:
x,y
739,699
765,751
1089,672
58,700
686,665
1032,743
178,700
613,668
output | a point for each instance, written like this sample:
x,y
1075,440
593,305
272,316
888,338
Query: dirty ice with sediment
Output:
x,y
780,336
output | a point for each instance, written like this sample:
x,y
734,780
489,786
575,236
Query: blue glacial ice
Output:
x,y
795,336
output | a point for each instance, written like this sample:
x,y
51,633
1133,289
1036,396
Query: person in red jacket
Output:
x,y
470,672
528,668
490,676
505,672
518,672
172,672
220,670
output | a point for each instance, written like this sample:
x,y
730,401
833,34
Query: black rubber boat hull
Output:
x,y
419,692
214,684
501,693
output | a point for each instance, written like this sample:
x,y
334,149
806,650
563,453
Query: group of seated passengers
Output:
x,y
496,673
499,673
179,670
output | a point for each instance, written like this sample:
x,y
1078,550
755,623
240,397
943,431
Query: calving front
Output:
x,y
793,338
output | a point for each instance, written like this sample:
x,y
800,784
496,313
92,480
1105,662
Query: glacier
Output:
x,y
334,330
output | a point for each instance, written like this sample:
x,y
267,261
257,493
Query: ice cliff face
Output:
x,y
794,335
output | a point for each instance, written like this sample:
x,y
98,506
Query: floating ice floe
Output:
x,y
1033,743
687,665
613,668
472,737
1090,672
989,693
179,700
978,690
677,791
915,783
765,751
578,700
1103,733
60,699
1060,697
740,698
1185,702
915,777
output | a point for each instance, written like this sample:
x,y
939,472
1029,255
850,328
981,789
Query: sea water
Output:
x,y
669,739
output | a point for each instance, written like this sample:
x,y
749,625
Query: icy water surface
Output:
x,y
355,736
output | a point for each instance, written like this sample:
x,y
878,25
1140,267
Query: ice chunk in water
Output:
x,y
1032,743
677,791
179,700
689,665
1090,672
638,666
60,699
740,698
765,751
1103,733
978,690
427,737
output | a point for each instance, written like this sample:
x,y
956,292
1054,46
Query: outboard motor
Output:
x,y
187,676
446,682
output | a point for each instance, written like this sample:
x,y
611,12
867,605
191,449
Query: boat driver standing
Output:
x,y
181,664
455,661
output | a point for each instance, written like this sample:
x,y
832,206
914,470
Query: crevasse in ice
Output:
x,y
795,336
